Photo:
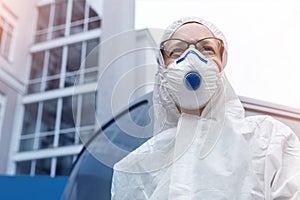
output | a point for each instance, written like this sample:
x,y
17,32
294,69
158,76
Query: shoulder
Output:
x,y
268,124
271,130
151,150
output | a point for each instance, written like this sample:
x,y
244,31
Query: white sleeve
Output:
x,y
127,186
286,181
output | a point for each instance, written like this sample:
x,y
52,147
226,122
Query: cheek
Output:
x,y
218,61
167,61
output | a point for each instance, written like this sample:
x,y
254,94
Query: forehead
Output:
x,y
192,32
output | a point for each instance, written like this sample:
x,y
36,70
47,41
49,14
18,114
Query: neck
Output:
x,y
191,112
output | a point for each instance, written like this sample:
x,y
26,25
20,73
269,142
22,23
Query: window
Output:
x,y
6,35
41,129
50,125
77,20
68,135
52,166
53,69
73,63
43,23
47,70
53,21
63,165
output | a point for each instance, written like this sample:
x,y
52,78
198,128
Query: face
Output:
x,y
193,32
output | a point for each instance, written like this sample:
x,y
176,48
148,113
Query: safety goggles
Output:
x,y
174,48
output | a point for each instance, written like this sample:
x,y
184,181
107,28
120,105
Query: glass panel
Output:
x,y
85,134
54,68
92,54
73,63
7,45
60,12
30,118
6,30
94,24
78,10
43,19
90,77
74,57
66,139
37,65
70,81
58,32
77,19
91,44
49,115
23,167
67,120
64,165
34,88
43,166
60,17
77,28
75,99
46,142
92,13
55,61
88,109
26,144
40,37
52,84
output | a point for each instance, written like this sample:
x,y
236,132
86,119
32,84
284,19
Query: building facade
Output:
x,y
15,16
49,70
62,35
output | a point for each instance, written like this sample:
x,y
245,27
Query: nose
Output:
x,y
192,81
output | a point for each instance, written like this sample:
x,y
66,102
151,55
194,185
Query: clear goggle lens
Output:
x,y
174,48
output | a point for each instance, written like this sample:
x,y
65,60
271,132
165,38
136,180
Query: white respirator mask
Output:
x,y
191,80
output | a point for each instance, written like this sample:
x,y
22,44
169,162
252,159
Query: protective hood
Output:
x,y
165,112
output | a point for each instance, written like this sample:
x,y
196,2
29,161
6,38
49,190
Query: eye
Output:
x,y
175,53
207,50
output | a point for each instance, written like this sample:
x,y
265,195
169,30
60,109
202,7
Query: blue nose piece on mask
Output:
x,y
192,81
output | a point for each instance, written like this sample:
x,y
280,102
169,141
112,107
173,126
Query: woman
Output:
x,y
204,147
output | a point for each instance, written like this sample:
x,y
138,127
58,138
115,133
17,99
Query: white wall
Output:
x,y
118,19
13,72
23,15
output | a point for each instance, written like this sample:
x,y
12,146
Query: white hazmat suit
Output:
x,y
219,155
